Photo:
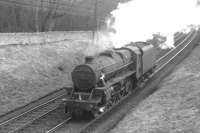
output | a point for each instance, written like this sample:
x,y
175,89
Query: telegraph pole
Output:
x,y
95,28
71,17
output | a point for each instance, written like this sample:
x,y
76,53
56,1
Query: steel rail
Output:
x,y
85,126
16,120
9,122
179,38
22,125
165,58
19,112
59,125
7,125
168,53
176,53
149,86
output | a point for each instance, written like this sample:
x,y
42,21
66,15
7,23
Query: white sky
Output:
x,y
137,20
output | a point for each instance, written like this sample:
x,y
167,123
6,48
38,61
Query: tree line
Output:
x,y
15,18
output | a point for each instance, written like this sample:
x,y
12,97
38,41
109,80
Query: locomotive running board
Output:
x,y
118,79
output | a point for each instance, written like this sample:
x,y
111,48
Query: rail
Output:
x,y
23,116
141,92
52,130
92,125
171,51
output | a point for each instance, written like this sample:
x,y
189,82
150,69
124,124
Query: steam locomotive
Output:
x,y
104,79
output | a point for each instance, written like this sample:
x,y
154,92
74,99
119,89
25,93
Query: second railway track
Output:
x,y
16,120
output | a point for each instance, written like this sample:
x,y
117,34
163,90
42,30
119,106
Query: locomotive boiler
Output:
x,y
105,78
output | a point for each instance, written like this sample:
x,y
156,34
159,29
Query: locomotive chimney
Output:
x,y
89,59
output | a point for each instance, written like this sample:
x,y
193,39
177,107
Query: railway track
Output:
x,y
19,120
23,116
108,120
181,43
55,128
66,126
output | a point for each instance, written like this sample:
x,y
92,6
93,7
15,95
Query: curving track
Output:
x,y
109,120
67,125
181,42
46,108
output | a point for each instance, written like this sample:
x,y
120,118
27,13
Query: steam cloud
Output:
x,y
138,20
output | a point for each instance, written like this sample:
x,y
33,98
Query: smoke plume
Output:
x,y
138,20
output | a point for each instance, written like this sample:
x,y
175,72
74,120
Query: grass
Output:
x,y
31,71
173,108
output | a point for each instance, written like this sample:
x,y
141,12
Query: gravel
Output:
x,y
174,108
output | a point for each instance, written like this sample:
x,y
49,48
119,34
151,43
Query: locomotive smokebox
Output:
x,y
84,78
105,65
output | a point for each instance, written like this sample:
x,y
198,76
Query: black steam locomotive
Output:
x,y
105,78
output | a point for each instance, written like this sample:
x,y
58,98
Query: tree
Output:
x,y
46,16
38,11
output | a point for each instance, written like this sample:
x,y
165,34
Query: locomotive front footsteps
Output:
x,y
103,80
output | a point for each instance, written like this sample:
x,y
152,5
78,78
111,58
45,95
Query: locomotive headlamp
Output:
x,y
102,76
79,97
64,99
102,109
